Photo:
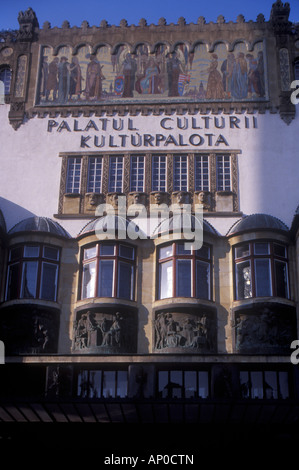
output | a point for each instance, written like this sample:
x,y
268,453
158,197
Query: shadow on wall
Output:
x,y
13,213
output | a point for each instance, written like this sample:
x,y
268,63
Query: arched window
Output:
x,y
5,78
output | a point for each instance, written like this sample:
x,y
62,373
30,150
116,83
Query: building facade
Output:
x,y
123,148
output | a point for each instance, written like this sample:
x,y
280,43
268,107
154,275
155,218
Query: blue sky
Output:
x,y
94,11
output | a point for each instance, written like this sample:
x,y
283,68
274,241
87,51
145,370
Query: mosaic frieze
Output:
x,y
185,332
104,332
182,74
265,329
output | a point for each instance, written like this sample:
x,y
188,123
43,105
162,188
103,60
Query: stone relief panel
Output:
x,y
29,330
185,74
105,332
181,332
264,330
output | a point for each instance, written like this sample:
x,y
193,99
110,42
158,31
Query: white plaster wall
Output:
x,y
30,165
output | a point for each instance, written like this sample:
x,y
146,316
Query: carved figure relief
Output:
x,y
104,332
30,331
204,198
265,330
185,332
109,76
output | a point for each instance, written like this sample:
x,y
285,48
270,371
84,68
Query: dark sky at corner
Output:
x,y
113,11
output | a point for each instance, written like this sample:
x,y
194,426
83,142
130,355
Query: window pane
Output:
x,y
159,173
202,280
73,175
203,252
183,278
162,384
244,384
180,249
89,384
271,384
105,284
190,384
126,252
166,280
94,179
49,281
279,250
176,383
90,252
261,248
122,384
137,173
223,173
201,173
281,279
242,251
262,277
256,385
107,250
115,174
165,251
51,253
283,385
15,253
88,281
31,251
29,280
180,173
243,280
125,281
203,384
108,384
12,281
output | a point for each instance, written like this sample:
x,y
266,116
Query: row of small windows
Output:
x,y
181,169
109,270
186,384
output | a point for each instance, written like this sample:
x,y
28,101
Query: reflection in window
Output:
x,y
102,384
32,272
184,273
269,384
183,384
261,270
108,270
5,78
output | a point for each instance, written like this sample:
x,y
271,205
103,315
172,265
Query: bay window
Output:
x,y
184,273
261,270
32,272
108,270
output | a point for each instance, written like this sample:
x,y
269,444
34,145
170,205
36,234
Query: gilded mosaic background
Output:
x,y
160,76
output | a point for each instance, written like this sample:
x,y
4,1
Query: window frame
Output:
x,y
264,383
113,186
117,259
221,185
252,257
157,186
169,372
70,187
91,186
180,185
137,186
41,260
174,258
102,372
199,161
